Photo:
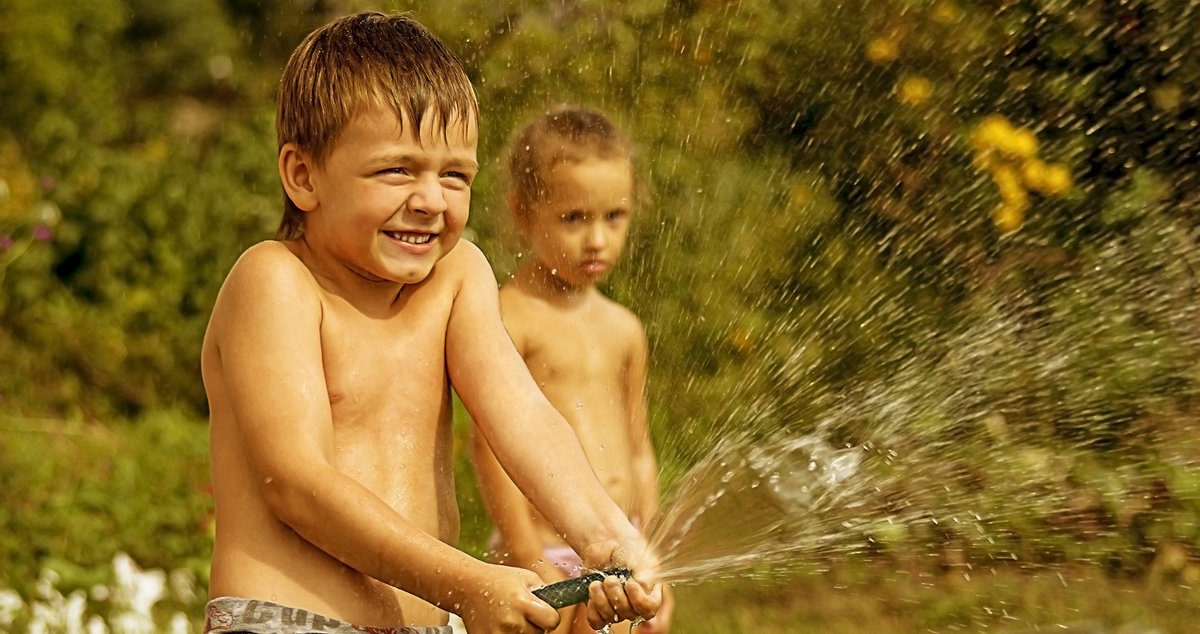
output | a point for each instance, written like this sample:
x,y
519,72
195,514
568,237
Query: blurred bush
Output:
x,y
78,493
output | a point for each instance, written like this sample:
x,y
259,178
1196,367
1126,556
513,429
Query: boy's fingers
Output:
x,y
614,589
644,602
600,611
542,615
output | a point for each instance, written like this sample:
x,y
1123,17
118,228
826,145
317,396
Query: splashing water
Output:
x,y
1002,435
751,504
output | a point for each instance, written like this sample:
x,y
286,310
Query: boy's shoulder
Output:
x,y
267,273
270,264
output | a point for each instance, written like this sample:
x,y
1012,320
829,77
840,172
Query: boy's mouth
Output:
x,y
409,237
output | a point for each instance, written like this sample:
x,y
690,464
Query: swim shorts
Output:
x,y
233,615
562,557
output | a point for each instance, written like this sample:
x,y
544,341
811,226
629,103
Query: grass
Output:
x,y
881,600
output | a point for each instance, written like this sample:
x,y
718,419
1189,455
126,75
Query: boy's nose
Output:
x,y
427,196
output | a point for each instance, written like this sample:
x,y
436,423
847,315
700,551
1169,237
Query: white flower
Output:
x,y
180,624
96,625
136,589
73,610
132,623
11,605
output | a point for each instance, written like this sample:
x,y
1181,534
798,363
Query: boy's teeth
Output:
x,y
411,238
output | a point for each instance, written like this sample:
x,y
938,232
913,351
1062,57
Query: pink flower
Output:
x,y
6,242
42,233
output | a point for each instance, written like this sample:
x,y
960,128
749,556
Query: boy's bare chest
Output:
x,y
376,366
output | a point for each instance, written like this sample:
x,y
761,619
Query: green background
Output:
x,y
814,249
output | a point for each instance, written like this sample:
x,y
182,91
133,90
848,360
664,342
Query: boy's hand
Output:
x,y
505,604
614,599
661,623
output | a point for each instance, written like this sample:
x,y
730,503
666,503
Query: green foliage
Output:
x,y
89,491
821,242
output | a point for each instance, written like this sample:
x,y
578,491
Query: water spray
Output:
x,y
574,591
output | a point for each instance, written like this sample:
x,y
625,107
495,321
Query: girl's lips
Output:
x,y
594,266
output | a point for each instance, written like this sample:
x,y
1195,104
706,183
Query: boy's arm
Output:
x,y
511,514
267,331
508,508
643,462
533,442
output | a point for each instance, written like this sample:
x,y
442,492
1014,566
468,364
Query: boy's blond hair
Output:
x,y
357,62
567,134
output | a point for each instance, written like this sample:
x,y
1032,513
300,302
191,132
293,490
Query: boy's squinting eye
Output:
x,y
459,176
394,170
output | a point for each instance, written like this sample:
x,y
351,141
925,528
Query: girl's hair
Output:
x,y
567,134
361,61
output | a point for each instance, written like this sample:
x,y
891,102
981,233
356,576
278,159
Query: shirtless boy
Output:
x,y
572,196
330,358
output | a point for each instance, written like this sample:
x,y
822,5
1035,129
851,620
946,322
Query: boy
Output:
x,y
330,357
572,191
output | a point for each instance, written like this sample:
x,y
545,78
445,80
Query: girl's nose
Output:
x,y
597,235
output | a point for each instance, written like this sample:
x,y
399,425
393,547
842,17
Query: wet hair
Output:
x,y
567,134
361,61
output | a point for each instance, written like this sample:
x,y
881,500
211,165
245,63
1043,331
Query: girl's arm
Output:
x,y
642,460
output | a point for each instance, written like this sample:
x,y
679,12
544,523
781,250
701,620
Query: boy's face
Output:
x,y
578,229
391,203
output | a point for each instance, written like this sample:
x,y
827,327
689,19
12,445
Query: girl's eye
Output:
x,y
573,216
615,215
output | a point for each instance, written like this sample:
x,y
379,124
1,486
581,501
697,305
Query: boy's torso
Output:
x,y
579,358
389,400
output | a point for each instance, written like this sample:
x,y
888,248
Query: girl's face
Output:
x,y
578,229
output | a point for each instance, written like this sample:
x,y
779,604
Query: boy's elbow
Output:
x,y
288,498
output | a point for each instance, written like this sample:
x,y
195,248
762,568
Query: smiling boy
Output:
x,y
330,358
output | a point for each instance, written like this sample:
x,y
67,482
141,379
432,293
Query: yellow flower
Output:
x,y
1033,172
1020,143
882,50
914,90
801,195
946,12
1009,184
1167,96
1008,218
1058,180
990,132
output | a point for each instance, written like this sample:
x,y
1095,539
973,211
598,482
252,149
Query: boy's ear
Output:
x,y
296,173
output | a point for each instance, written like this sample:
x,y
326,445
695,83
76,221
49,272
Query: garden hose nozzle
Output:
x,y
572,591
